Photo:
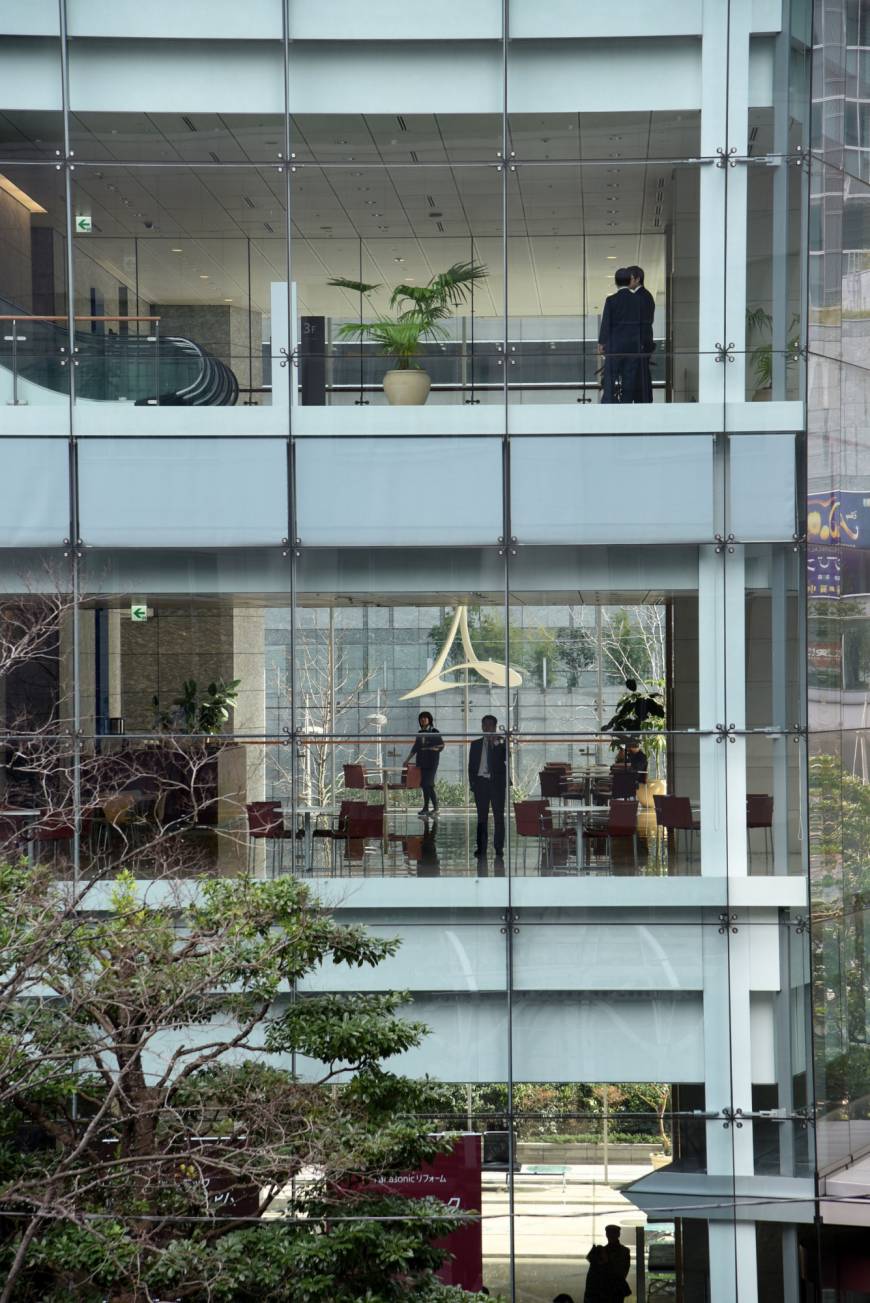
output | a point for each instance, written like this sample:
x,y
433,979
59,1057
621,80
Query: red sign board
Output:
x,y
455,1179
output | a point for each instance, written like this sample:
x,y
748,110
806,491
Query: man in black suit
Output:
x,y
619,339
647,344
487,777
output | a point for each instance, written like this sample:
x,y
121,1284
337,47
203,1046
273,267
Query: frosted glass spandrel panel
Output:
x,y
34,492
624,489
564,1036
431,958
761,486
561,957
398,492
182,492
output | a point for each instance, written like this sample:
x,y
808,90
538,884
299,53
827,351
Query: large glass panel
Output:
x,y
176,271
31,120
38,750
611,664
212,492
565,490
34,339
601,1000
398,492
34,492
777,191
417,251
159,137
839,241
179,690
574,229
382,636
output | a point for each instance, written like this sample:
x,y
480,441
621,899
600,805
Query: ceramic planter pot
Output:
x,y
407,388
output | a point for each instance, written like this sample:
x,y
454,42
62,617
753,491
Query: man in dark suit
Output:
x,y
487,777
619,339
647,316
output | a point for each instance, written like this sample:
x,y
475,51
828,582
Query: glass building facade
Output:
x,y
663,1026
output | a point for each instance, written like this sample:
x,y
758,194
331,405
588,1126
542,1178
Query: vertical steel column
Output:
x,y
712,217
507,546
780,211
73,554
739,26
781,744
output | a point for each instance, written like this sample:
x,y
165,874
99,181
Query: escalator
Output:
x,y
139,366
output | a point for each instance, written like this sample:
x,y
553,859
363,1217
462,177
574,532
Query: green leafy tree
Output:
x,y
839,827
150,1127
575,651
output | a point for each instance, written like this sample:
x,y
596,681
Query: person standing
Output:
x,y
618,1264
487,777
619,340
647,343
426,753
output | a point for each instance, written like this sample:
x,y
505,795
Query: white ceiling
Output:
x,y
400,199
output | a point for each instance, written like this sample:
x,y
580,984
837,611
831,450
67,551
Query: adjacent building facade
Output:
x,y
670,1032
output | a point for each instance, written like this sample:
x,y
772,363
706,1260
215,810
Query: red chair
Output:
x,y
759,814
266,823
621,823
412,778
674,814
362,823
56,830
551,779
535,819
356,780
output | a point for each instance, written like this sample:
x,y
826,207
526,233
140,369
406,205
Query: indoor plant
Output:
x,y
418,311
759,325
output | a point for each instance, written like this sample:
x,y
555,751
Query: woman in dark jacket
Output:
x,y
426,752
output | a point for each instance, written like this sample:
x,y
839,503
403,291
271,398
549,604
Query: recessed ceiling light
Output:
x,y
176,251
611,257
203,276
398,260
227,300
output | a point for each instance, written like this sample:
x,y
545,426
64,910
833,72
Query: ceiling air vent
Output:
x,y
249,202
403,126
430,201
187,122
440,226
414,158
213,156
269,227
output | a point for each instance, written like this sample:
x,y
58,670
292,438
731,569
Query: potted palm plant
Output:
x,y
417,314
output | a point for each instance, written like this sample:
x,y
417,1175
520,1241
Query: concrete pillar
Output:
x,y
242,771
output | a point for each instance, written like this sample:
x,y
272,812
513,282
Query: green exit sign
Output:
x,y
83,224
138,614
